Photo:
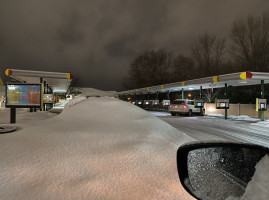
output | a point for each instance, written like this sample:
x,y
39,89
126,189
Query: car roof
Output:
x,y
183,100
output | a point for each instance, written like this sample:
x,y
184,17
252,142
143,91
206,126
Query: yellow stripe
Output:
x,y
215,79
257,104
162,86
7,72
184,83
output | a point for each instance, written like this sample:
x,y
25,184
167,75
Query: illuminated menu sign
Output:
x,y
22,95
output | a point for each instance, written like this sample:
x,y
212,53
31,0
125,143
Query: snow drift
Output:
x,y
99,148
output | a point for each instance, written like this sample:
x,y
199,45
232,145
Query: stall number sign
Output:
x,y
222,104
198,103
261,104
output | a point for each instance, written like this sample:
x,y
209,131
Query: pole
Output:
x,y
41,81
201,96
12,115
225,94
168,95
182,93
262,96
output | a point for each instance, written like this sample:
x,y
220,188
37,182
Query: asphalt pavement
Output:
x,y
212,128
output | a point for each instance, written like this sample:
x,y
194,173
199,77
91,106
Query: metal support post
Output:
x,y
262,96
45,87
201,96
168,95
182,93
41,81
225,94
148,95
157,95
12,115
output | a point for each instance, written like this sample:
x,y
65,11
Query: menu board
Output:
x,y
47,98
23,95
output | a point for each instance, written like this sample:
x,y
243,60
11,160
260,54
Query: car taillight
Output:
x,y
184,107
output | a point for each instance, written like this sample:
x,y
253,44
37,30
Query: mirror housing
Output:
x,y
208,159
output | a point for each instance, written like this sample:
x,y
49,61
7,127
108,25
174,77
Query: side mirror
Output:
x,y
218,170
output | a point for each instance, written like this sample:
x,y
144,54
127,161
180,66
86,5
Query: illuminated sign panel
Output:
x,y
22,95
166,102
222,104
47,98
198,103
261,104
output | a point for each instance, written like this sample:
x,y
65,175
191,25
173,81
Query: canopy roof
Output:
x,y
59,82
235,79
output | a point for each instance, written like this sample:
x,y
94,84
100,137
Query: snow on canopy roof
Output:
x,y
58,81
234,79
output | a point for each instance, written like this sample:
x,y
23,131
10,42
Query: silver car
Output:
x,y
184,106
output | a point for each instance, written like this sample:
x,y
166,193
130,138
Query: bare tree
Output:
x,y
208,52
151,68
183,68
250,43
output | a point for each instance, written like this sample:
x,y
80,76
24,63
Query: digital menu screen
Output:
x,y
23,95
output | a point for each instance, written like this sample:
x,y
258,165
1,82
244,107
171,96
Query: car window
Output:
x,y
178,102
191,102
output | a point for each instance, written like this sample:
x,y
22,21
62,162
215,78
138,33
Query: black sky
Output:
x,y
97,40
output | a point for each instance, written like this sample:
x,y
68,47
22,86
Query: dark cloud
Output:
x,y
97,40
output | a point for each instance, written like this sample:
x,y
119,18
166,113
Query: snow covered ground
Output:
x,y
100,148
97,148
24,118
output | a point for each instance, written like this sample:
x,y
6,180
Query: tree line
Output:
x,y
245,49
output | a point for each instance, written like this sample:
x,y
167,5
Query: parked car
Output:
x,y
184,106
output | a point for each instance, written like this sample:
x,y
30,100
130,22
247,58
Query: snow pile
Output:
x,y
243,118
234,117
75,101
102,148
258,187
264,124
154,113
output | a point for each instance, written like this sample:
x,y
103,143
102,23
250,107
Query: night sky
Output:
x,y
97,40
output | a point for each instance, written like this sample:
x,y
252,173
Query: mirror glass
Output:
x,y
220,172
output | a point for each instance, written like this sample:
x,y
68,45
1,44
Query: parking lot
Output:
x,y
213,128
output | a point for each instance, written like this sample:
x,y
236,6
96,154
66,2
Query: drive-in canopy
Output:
x,y
234,79
59,82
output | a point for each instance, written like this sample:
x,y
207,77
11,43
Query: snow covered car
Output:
x,y
117,152
184,106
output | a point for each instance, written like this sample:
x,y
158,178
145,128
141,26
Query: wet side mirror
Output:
x,y
218,170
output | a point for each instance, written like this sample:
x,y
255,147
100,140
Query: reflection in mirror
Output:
x,y
220,172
